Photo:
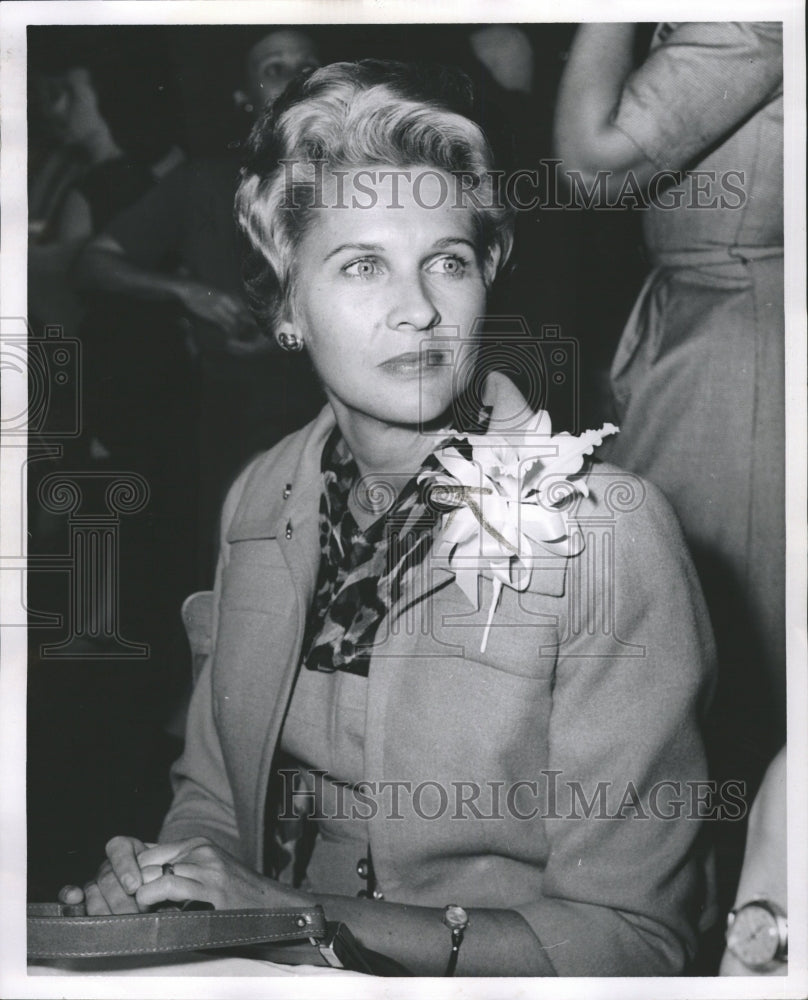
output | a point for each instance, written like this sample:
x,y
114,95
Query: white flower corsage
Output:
x,y
505,500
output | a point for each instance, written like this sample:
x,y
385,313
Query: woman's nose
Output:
x,y
412,305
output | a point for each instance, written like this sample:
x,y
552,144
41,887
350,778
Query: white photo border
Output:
x,y
15,15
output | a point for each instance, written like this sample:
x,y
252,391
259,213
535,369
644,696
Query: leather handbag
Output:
x,y
288,936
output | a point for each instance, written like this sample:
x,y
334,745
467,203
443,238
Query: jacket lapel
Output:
x,y
271,581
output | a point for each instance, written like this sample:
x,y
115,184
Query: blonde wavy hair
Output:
x,y
358,115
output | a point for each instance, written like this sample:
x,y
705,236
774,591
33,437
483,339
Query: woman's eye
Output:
x,y
364,268
273,70
452,266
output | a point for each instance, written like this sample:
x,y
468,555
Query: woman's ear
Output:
x,y
242,102
491,264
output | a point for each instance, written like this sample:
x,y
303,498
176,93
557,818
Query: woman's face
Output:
x,y
385,296
274,61
72,106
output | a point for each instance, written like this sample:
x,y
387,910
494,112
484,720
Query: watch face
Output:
x,y
754,936
455,917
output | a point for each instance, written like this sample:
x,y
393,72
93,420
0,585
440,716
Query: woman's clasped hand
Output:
x,y
138,876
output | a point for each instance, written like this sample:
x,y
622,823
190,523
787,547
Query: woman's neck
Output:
x,y
382,449
386,457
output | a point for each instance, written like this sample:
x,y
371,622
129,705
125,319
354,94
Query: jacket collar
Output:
x,y
284,484
281,497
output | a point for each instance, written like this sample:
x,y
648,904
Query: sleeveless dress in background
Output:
x,y
698,376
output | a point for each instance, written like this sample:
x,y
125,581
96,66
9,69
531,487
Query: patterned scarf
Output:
x,y
363,574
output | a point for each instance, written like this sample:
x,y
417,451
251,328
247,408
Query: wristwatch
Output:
x,y
757,934
457,920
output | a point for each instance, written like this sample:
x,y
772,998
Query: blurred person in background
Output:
x,y
87,167
152,363
103,128
757,927
698,377
90,161
516,72
177,251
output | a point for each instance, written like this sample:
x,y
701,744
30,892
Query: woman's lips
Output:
x,y
414,362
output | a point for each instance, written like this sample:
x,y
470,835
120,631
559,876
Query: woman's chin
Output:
x,y
422,416
419,410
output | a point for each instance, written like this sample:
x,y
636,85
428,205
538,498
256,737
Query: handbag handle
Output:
x,y
53,934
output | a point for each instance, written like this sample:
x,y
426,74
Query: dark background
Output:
x,y
99,746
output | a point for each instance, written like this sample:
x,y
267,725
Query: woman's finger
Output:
x,y
152,872
173,888
122,853
161,854
116,897
94,900
180,869
72,895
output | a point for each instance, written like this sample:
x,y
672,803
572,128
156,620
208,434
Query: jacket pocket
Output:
x,y
522,636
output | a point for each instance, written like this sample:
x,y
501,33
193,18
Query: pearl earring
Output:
x,y
290,342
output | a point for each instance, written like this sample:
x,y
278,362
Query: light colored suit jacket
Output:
x,y
588,698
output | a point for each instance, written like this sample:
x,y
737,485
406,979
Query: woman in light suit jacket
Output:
x,y
451,663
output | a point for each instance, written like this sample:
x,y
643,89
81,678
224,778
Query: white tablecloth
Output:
x,y
196,964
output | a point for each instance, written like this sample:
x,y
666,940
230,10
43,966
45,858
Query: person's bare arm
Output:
x,y
75,219
104,266
585,137
74,227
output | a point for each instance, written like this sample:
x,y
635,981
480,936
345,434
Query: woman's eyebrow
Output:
x,y
364,247
448,241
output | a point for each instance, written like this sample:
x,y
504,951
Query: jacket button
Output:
x,y
363,868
